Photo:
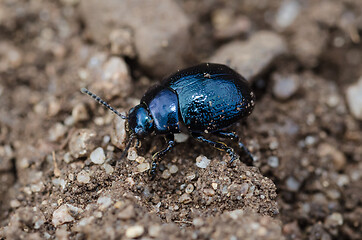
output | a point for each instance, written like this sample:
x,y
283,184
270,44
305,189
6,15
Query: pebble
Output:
x,y
116,77
253,56
64,214
244,188
173,169
181,137
185,198
80,113
14,203
143,167
119,133
160,36
127,213
104,202
108,168
202,161
354,99
273,161
166,174
11,56
190,176
334,220
198,222
132,154
292,184
140,159
57,132
59,182
135,231
214,186
121,40
98,156
326,150
83,177
190,188
287,13
228,25
67,157
209,192
82,142
154,231
285,86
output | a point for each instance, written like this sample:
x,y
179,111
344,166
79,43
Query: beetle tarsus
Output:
x,y
251,159
158,155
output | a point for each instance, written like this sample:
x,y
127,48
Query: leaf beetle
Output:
x,y
206,98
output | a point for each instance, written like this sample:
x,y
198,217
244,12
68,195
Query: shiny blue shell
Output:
x,y
204,98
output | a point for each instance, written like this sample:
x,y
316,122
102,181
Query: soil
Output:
x,y
304,133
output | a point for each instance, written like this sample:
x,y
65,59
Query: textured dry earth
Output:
x,y
59,150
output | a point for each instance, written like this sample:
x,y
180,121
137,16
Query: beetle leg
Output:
x,y
224,134
158,155
232,135
218,145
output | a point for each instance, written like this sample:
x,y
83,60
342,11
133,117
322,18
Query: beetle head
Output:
x,y
140,121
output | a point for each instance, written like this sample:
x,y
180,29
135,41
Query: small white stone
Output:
x,y
287,13
173,169
154,231
98,156
143,167
59,182
292,184
166,174
62,214
190,188
83,177
214,185
57,132
185,198
135,231
181,137
104,202
273,161
67,157
15,203
108,168
119,133
354,99
132,154
140,159
202,161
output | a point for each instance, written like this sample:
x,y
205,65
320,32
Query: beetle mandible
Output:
x,y
206,98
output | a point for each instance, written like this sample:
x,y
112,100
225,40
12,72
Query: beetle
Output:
x,y
205,98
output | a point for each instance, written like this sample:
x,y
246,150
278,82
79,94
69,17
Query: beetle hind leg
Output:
x,y
158,155
218,145
234,136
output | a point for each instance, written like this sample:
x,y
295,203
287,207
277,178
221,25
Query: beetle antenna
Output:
x,y
100,101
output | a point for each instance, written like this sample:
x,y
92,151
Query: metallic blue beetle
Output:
x,y
205,98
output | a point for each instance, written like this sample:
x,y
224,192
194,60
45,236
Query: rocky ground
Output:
x,y
60,178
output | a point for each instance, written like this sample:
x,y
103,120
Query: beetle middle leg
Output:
x,y
218,145
158,155
232,135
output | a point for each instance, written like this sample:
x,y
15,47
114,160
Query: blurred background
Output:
x,y
303,59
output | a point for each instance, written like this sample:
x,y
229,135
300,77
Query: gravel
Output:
x,y
354,99
251,57
98,156
202,162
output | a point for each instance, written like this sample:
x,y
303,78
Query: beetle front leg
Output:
x,y
158,155
232,135
218,145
